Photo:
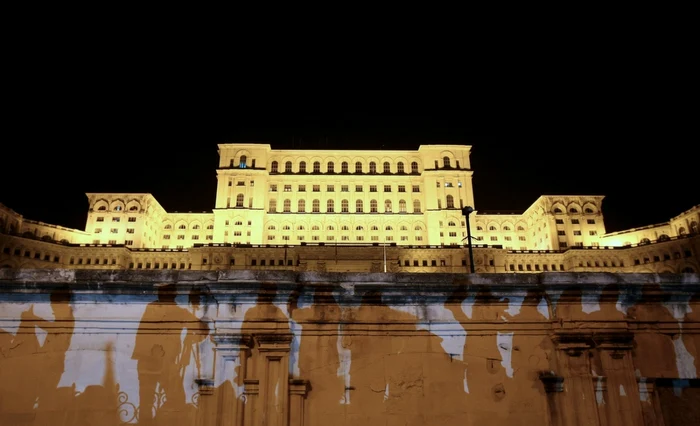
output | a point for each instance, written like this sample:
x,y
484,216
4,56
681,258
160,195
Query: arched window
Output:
x,y
402,206
242,162
287,205
344,206
300,228
344,167
358,206
418,228
316,206
520,228
317,167
387,167
372,167
358,167
302,167
359,228
102,208
273,167
301,206
286,228
399,167
681,231
375,228
446,162
644,241
271,227
416,206
239,200
573,210
183,226
133,208
288,167
168,227
315,228
414,167
329,206
557,210
331,167
451,223
663,237
344,228
693,227
588,210
506,228
403,228
117,208
330,227
450,202
373,206
387,206
273,206
388,228
492,228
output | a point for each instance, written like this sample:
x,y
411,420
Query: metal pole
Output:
x,y
466,211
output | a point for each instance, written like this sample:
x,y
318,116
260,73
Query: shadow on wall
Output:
x,y
33,361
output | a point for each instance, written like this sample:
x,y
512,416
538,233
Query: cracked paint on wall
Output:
x,y
345,359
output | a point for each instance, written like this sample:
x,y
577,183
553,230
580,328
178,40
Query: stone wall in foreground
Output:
x,y
274,348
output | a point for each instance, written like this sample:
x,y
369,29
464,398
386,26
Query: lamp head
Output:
x,y
466,210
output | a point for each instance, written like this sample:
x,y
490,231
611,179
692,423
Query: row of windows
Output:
x,y
578,232
193,237
343,188
529,267
118,208
345,238
92,261
37,255
575,221
113,242
574,210
493,228
158,265
344,206
344,167
115,219
344,228
183,226
665,256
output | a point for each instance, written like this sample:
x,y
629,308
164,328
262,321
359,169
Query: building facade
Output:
x,y
397,211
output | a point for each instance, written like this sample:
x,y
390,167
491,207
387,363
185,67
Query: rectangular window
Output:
x,y
454,234
387,188
577,232
113,242
115,219
402,188
358,188
330,238
317,188
195,237
592,233
270,237
560,221
563,244
448,184
180,237
100,219
508,238
287,188
285,237
561,232
166,236
98,230
240,183
344,188
129,230
590,221
574,221
302,188
114,230
330,188
373,188
129,242
345,238
578,244
210,237
521,238
132,219
416,188
273,188
494,238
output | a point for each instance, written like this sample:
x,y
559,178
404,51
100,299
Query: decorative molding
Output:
x,y
206,386
552,382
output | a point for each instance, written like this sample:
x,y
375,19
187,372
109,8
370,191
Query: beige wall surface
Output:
x,y
102,347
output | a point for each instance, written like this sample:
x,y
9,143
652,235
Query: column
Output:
x,y
623,406
273,375
232,352
578,406
297,396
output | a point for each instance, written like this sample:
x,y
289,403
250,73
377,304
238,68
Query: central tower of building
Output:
x,y
267,196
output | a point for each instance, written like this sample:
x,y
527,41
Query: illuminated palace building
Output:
x,y
327,210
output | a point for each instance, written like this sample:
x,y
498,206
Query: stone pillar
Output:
x,y
623,407
553,386
232,352
578,403
273,375
252,389
297,395
651,406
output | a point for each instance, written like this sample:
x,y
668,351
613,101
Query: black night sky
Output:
x,y
602,128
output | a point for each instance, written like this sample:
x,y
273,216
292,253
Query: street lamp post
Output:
x,y
466,211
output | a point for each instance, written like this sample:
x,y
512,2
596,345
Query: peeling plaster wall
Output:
x,y
273,348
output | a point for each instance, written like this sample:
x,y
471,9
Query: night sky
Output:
x,y
531,134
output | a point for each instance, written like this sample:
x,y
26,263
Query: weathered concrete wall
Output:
x,y
272,348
